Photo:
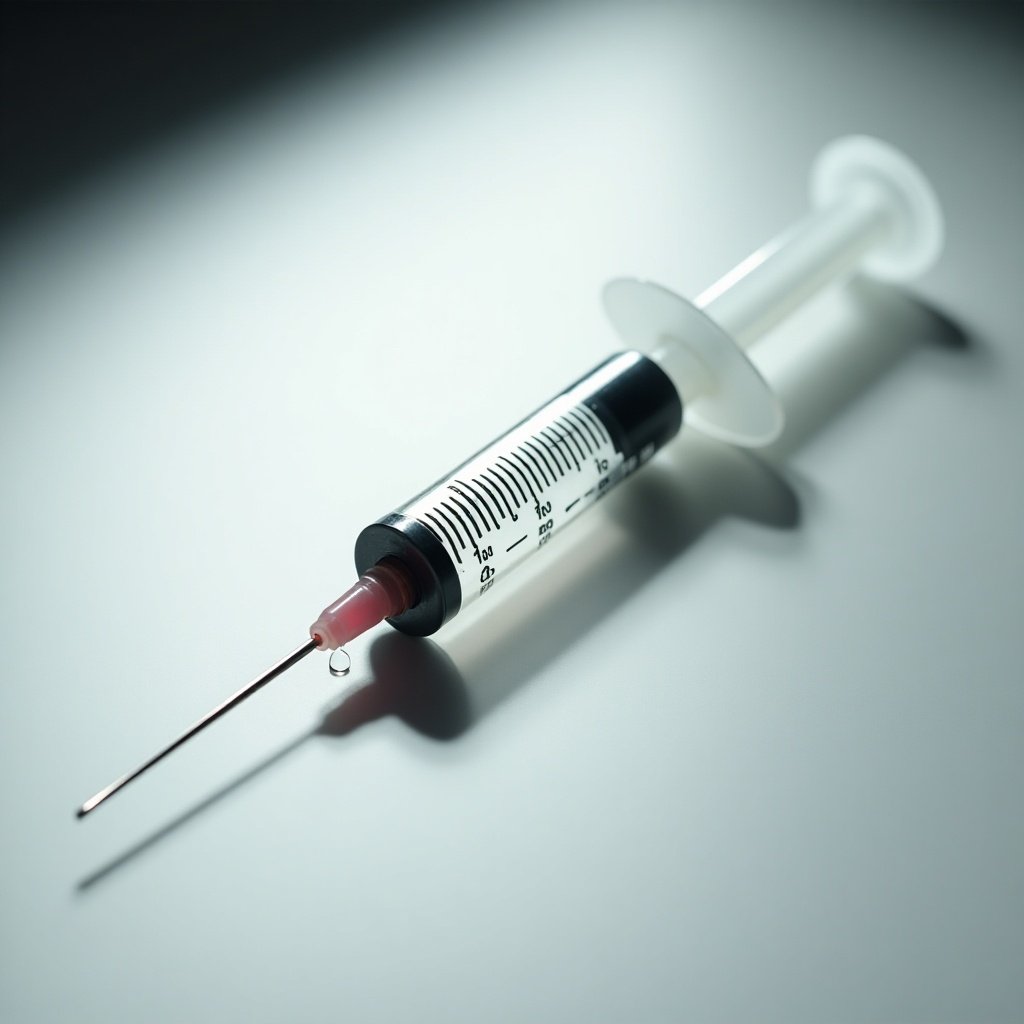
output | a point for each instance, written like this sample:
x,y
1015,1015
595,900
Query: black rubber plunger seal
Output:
x,y
639,405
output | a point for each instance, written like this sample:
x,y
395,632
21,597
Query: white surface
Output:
x,y
750,750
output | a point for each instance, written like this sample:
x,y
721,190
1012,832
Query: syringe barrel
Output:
x,y
827,245
873,210
466,532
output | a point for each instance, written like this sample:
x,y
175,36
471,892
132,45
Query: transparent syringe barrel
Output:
x,y
463,535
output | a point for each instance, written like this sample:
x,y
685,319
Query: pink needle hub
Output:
x,y
382,592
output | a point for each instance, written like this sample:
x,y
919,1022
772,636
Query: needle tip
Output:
x,y
236,698
89,805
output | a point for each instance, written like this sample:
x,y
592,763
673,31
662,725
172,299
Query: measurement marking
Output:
x,y
481,483
559,431
489,501
594,420
516,481
469,515
545,443
556,452
494,474
568,448
516,454
469,536
455,529
468,497
513,478
553,450
553,447
499,483
591,415
529,444
586,426
517,543
451,543
573,504
590,492
571,430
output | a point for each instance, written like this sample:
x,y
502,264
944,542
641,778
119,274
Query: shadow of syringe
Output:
x,y
876,213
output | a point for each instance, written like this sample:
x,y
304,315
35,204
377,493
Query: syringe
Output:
x,y
420,565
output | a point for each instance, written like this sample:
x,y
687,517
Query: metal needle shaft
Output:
x,y
225,706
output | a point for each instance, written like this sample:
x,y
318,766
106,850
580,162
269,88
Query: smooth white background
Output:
x,y
748,747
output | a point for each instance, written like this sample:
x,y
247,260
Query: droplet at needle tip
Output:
x,y
211,716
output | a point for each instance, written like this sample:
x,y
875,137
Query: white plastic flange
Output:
x,y
860,162
733,402
874,211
